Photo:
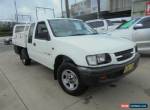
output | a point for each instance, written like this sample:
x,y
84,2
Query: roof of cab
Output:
x,y
59,19
22,25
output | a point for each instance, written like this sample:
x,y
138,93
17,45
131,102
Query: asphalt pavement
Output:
x,y
33,88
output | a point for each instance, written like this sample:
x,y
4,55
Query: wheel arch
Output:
x,y
58,61
17,49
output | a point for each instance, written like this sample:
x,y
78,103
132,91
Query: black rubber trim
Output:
x,y
92,75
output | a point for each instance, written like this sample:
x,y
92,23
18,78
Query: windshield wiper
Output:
x,y
94,33
83,34
77,34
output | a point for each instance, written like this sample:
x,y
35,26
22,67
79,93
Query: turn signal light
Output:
x,y
103,77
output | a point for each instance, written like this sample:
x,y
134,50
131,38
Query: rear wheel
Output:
x,y
24,57
69,79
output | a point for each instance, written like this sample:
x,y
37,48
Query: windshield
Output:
x,y
65,28
128,24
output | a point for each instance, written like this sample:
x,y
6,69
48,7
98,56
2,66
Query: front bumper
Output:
x,y
94,76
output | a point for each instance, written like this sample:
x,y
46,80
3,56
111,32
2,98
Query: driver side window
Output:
x,y
42,32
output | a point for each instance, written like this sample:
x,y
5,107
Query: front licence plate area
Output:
x,y
129,68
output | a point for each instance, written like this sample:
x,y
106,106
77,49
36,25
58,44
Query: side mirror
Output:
x,y
138,26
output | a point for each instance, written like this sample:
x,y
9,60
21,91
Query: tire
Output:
x,y
74,86
25,57
17,49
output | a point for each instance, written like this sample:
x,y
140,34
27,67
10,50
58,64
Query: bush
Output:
x,y
5,31
9,33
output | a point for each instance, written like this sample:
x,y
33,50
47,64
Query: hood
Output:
x,y
122,33
101,43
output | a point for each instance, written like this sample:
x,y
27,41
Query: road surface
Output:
x,y
33,88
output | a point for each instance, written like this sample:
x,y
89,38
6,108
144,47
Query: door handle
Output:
x,y
34,44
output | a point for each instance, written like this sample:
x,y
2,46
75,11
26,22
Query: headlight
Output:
x,y
94,60
101,58
91,60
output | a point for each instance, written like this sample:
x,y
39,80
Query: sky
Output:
x,y
27,7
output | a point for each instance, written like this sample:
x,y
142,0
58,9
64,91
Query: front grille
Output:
x,y
124,55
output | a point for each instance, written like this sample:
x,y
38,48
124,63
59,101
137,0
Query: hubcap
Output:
x,y
70,79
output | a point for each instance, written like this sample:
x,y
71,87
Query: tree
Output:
x,y
67,8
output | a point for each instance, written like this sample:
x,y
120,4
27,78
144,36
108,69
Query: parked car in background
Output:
x,y
8,41
101,25
78,55
137,30
118,21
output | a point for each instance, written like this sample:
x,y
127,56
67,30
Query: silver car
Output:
x,y
137,30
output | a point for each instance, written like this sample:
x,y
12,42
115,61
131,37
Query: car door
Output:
x,y
142,35
30,46
41,45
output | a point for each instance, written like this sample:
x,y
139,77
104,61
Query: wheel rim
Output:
x,y
70,80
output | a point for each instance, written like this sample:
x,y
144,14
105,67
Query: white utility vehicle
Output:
x,y
102,25
137,30
78,55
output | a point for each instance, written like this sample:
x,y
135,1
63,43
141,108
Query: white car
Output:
x,y
137,30
78,56
102,25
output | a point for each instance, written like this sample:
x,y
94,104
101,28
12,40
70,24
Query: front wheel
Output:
x,y
69,79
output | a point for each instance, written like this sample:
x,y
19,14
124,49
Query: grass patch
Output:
x,y
5,31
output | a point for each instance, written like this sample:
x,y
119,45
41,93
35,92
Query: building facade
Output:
x,y
140,8
89,7
81,8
